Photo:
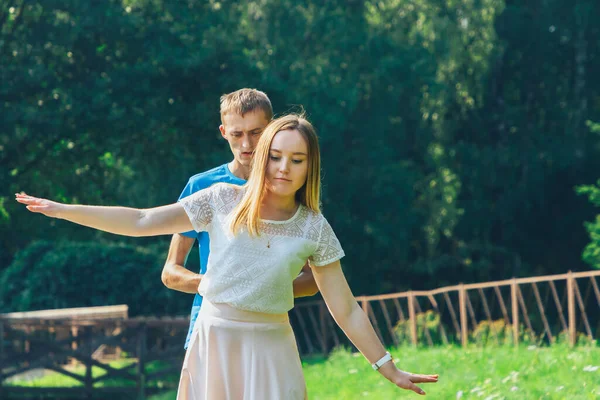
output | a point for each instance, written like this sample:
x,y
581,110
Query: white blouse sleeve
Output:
x,y
328,247
200,207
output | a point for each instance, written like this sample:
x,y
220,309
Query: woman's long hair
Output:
x,y
247,212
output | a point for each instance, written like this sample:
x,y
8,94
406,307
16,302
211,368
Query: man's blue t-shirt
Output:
x,y
196,183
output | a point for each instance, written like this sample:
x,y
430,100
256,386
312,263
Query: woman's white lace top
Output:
x,y
256,273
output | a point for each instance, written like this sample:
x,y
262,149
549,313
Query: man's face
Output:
x,y
242,134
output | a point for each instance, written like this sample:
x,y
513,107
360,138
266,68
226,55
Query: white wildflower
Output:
x,y
512,376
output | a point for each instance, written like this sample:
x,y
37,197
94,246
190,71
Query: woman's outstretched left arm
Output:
x,y
119,220
356,325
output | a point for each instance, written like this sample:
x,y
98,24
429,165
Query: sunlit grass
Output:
x,y
557,372
475,373
486,373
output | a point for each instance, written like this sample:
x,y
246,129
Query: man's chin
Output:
x,y
245,162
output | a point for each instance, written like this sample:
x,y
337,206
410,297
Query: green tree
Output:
x,y
591,253
50,274
452,133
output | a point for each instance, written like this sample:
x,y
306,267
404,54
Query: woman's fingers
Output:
x,y
408,380
418,378
26,200
34,204
38,209
30,201
415,388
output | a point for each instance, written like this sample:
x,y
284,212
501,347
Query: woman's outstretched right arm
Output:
x,y
125,221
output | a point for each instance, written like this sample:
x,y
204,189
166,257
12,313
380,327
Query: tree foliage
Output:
x,y
591,252
48,275
452,133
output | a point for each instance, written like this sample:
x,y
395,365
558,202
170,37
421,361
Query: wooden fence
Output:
x,y
538,310
150,352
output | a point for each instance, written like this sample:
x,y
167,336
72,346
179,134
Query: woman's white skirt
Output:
x,y
241,355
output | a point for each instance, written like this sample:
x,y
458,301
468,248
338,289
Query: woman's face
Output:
x,y
287,167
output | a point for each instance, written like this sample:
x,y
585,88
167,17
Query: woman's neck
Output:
x,y
278,207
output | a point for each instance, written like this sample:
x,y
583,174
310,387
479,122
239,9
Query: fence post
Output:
x,y
87,351
462,305
27,343
323,328
74,336
141,350
571,304
514,286
412,318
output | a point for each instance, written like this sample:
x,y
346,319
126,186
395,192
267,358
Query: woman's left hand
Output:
x,y
406,380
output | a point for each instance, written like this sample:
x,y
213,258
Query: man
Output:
x,y
244,115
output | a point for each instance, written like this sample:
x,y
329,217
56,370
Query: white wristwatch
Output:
x,y
379,363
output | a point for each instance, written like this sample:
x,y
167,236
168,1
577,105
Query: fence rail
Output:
x,y
149,350
538,310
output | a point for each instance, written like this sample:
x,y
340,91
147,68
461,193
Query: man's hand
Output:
x,y
174,274
304,284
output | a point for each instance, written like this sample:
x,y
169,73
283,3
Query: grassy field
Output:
x,y
489,373
477,373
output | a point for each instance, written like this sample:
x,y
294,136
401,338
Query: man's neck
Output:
x,y
239,170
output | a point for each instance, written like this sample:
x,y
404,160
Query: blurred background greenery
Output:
x,y
453,133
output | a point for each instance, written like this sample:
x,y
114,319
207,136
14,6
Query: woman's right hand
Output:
x,y
43,206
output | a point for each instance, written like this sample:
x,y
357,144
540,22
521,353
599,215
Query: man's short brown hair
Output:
x,y
244,101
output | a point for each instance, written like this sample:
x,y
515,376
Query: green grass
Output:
x,y
475,373
557,372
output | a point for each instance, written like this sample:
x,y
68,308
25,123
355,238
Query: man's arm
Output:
x,y
304,284
174,275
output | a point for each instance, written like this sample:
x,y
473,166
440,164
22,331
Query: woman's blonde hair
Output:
x,y
247,212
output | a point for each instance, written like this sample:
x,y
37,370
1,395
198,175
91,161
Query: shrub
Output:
x,y
48,275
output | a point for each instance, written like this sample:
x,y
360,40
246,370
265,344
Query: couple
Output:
x,y
262,233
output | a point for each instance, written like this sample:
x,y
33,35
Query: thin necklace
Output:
x,y
269,241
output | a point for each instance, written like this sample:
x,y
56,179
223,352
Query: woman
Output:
x,y
261,236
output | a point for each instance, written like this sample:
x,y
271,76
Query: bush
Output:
x,y
47,275
486,332
428,321
591,253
